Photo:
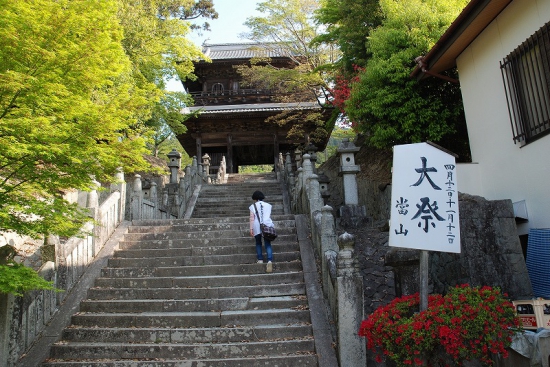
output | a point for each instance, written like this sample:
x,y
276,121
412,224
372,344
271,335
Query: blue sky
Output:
x,y
226,29
228,26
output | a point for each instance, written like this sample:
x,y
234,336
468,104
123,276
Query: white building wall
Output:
x,y
503,170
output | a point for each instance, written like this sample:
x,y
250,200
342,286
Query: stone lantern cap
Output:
x,y
174,157
347,146
322,178
311,148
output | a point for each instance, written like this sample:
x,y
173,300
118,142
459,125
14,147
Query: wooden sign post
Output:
x,y
424,212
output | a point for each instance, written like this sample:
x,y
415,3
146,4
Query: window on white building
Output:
x,y
526,76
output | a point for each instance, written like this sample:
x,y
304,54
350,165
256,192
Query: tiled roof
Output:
x,y
258,107
241,51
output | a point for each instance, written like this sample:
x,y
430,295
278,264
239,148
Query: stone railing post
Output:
x,y
349,284
315,199
187,179
136,200
7,304
182,196
153,197
154,193
298,194
328,243
311,150
307,173
120,186
92,204
298,158
288,164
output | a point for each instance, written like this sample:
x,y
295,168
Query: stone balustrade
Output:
x,y
22,319
341,281
171,200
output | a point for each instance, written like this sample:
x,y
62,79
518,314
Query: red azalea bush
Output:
x,y
467,323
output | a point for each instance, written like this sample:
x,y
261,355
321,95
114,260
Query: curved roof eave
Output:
x,y
475,17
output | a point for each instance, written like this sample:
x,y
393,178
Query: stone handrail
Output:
x,y
341,281
22,319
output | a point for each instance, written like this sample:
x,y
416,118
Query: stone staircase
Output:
x,y
185,293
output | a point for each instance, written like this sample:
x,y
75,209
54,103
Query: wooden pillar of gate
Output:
x,y
198,142
229,157
275,151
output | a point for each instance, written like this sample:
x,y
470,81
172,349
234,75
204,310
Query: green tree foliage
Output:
x,y
66,104
17,279
79,81
348,25
385,103
167,119
155,41
194,10
336,137
288,27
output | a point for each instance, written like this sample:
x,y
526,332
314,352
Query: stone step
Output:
x,y
302,359
201,281
196,271
76,350
244,231
202,227
269,290
235,259
221,212
190,335
247,241
228,219
189,293
190,319
203,250
193,305
277,203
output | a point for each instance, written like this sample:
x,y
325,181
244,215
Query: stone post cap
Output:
x,y
137,183
346,241
326,208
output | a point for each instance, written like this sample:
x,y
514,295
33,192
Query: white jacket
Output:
x,y
264,208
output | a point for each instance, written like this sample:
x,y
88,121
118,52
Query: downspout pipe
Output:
x,y
422,65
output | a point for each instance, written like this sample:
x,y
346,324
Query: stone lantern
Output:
x,y
174,164
348,170
351,213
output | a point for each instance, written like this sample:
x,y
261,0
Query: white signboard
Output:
x,y
424,211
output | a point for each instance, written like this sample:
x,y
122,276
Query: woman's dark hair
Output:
x,y
258,195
